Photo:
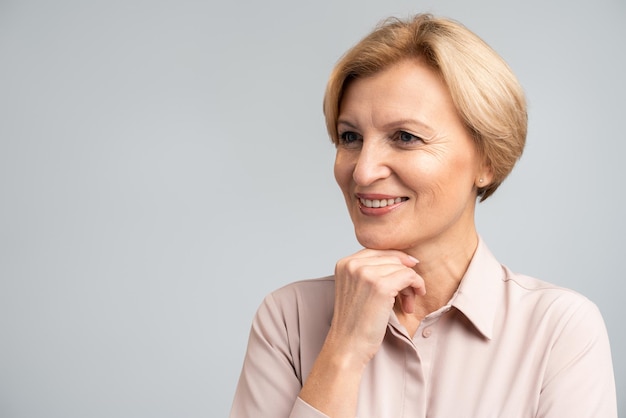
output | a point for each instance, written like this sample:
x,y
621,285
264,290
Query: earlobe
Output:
x,y
485,177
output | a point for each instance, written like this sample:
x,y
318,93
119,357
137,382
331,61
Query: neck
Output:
x,y
442,267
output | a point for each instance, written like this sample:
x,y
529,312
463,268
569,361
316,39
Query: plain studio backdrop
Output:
x,y
164,165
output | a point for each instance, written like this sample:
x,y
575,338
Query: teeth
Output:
x,y
376,203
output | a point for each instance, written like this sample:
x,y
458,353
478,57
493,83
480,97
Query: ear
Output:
x,y
484,176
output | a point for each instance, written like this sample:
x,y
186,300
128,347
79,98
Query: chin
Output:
x,y
379,243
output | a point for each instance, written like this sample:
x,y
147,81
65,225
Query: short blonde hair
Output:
x,y
484,90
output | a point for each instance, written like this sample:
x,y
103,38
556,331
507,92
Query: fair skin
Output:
x,y
409,172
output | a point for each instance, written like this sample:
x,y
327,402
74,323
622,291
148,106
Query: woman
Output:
x,y
424,321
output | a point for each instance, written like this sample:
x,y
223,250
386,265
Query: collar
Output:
x,y
478,296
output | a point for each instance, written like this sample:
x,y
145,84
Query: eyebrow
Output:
x,y
405,122
393,124
345,122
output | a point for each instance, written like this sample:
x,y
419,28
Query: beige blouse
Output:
x,y
506,345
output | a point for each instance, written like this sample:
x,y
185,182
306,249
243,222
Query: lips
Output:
x,y
372,204
381,203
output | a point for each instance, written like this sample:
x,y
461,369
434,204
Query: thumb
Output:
x,y
407,300
409,260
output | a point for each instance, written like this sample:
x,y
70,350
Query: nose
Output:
x,y
372,164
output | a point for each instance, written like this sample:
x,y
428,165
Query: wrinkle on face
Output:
x,y
437,173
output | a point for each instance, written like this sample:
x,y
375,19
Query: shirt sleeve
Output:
x,y
579,380
269,383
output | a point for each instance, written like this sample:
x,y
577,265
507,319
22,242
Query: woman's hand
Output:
x,y
366,286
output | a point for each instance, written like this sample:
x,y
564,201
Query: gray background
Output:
x,y
164,165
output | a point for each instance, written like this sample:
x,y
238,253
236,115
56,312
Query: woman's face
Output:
x,y
405,163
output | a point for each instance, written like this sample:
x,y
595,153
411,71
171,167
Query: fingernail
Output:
x,y
413,259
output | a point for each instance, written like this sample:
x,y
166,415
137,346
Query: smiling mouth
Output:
x,y
381,203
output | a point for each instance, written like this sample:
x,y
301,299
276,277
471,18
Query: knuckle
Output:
x,y
382,287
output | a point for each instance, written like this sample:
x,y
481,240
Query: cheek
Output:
x,y
433,179
342,171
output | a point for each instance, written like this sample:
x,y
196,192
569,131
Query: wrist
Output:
x,y
332,387
345,355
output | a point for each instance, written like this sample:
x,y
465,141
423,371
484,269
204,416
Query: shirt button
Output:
x,y
427,332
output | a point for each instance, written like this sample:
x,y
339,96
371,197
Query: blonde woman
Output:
x,y
424,321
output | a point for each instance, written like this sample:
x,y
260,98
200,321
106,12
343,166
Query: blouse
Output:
x,y
506,345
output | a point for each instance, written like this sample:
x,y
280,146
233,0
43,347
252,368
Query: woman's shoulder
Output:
x,y
304,291
297,316
316,286
546,297
529,284
303,298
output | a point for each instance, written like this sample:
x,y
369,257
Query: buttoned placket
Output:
x,y
425,342
419,358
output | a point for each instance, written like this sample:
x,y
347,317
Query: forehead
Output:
x,y
408,89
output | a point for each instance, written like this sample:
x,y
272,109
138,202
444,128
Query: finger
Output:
x,y
387,280
407,300
405,258
354,263
393,277
411,285
420,287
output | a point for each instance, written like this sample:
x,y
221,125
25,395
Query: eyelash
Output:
x,y
343,138
396,137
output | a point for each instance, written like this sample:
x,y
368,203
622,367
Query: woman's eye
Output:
x,y
349,137
406,138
